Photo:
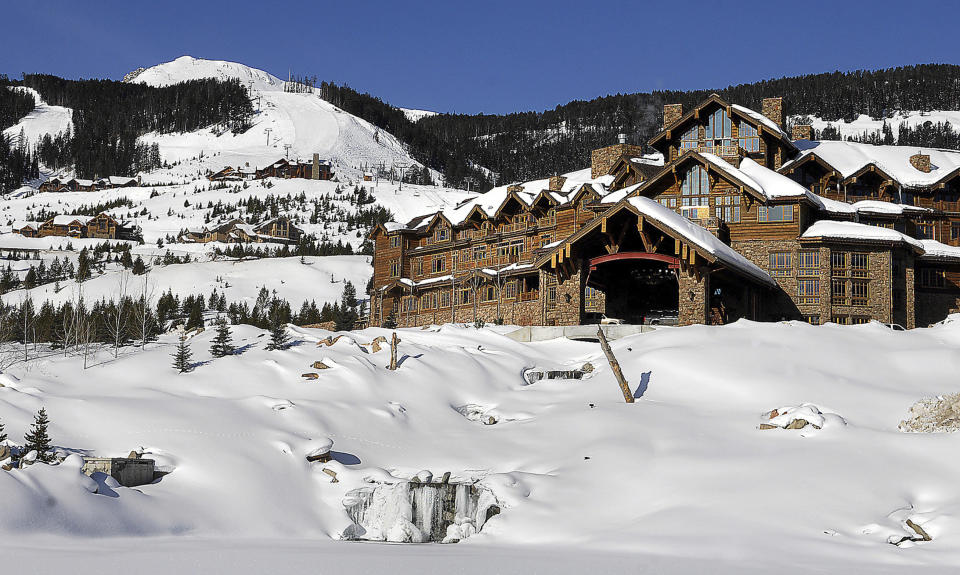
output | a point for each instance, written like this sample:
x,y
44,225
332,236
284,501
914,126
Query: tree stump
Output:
x,y
615,366
393,352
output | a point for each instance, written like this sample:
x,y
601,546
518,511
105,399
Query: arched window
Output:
x,y
695,188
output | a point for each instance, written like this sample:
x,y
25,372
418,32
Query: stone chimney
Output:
x,y
315,173
921,162
671,113
802,132
556,183
772,108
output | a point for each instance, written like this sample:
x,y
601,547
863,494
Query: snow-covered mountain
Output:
x,y
295,125
866,124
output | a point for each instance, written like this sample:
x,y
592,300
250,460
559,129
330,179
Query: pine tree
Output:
x,y
3,434
278,327
83,265
181,357
223,340
37,439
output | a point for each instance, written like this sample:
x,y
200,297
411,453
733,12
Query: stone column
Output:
x,y
694,301
911,299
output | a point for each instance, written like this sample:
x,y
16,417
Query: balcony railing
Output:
x,y
722,151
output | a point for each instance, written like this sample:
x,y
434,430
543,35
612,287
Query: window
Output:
x,y
395,268
748,139
719,129
812,319
464,296
445,298
808,291
428,300
859,265
480,252
511,248
441,234
395,241
838,292
439,264
695,188
592,297
859,294
840,320
859,320
924,231
955,231
489,293
775,214
510,289
728,208
552,296
689,139
418,266
932,278
838,263
781,264
809,263
408,304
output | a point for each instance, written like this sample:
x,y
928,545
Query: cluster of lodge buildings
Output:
x,y
275,230
731,218
103,226
80,185
316,169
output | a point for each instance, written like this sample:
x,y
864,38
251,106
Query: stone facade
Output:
x,y
556,183
694,304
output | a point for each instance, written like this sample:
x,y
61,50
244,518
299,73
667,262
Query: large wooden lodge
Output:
x,y
102,226
733,218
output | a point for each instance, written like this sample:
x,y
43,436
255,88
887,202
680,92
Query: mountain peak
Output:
x,y
186,68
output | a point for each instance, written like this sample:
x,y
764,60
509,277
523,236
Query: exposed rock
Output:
x,y
799,417
375,344
446,478
587,368
768,426
330,340
310,375
7,467
320,365
934,415
919,530
4,452
132,455
797,424
321,452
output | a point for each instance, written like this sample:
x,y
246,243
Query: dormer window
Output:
x,y
719,130
695,189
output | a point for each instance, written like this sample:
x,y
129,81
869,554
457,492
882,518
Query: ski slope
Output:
x,y
682,481
303,121
44,119
865,123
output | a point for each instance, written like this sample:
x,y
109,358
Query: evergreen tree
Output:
x,y
37,438
139,268
181,357
3,434
222,343
347,316
278,327
83,265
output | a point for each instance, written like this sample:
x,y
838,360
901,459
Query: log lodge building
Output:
x,y
731,219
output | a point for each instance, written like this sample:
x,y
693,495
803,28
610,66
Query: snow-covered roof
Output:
x,y
120,180
68,219
887,208
767,122
855,231
849,158
940,251
85,183
701,237
19,225
769,184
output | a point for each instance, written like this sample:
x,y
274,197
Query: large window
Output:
x,y
395,241
748,138
925,231
689,140
428,300
809,263
781,264
838,292
808,270
439,264
445,298
695,187
768,214
719,129
395,268
859,264
859,292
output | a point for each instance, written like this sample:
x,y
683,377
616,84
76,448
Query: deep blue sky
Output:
x,y
483,55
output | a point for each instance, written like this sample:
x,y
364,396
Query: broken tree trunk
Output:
x,y
615,366
393,352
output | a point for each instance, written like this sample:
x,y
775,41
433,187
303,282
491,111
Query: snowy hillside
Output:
x,y
865,123
683,481
44,119
302,121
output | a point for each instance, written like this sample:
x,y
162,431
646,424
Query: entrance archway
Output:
x,y
638,286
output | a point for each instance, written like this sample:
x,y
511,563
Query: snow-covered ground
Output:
x,y
865,123
682,481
